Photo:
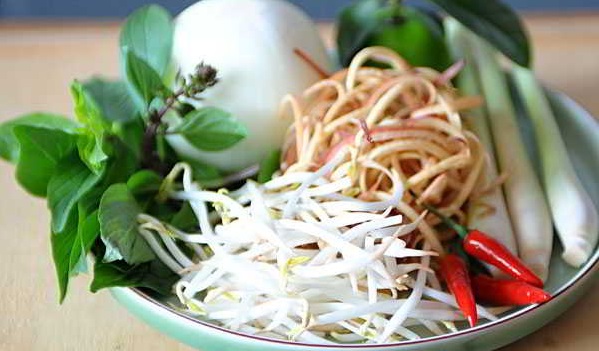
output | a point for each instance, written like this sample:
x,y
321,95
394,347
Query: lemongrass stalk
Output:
x,y
524,195
574,214
497,223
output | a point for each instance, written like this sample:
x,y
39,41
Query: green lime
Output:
x,y
412,34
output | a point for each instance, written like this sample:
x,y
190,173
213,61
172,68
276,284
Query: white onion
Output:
x,y
251,43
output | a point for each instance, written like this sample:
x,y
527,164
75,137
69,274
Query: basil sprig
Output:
x,y
99,171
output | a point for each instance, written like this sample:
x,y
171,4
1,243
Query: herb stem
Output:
x,y
150,157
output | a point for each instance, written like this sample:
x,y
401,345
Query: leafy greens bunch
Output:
x,y
100,171
418,35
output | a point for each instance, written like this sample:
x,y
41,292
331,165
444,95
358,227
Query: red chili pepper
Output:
x,y
483,247
505,292
455,273
479,245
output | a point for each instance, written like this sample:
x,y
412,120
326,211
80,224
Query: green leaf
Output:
x,y
131,135
153,275
211,129
185,219
203,172
9,145
92,149
112,98
494,21
122,164
62,246
148,33
71,181
88,231
269,165
144,182
71,245
40,151
143,80
356,24
118,225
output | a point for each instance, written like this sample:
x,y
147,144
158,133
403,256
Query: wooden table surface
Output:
x,y
37,63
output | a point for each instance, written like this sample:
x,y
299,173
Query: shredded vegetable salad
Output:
x,y
334,248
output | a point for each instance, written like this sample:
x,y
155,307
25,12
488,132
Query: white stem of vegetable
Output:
x,y
497,223
574,214
524,194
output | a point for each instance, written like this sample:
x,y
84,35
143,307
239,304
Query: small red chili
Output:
x,y
504,292
479,245
483,247
455,273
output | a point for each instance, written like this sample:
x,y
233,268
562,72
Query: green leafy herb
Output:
x,y
148,34
112,98
88,230
152,275
62,246
211,129
143,79
90,143
40,151
495,22
101,172
185,219
204,173
131,135
122,164
269,165
71,181
153,144
9,145
144,182
118,225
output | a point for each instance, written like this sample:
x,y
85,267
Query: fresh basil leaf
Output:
x,y
211,129
148,33
118,225
356,24
88,231
131,135
144,182
203,172
62,246
112,98
185,219
71,245
153,275
494,21
71,181
90,143
143,80
163,211
9,145
269,165
121,165
40,151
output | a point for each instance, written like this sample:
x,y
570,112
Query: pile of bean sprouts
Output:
x,y
334,249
